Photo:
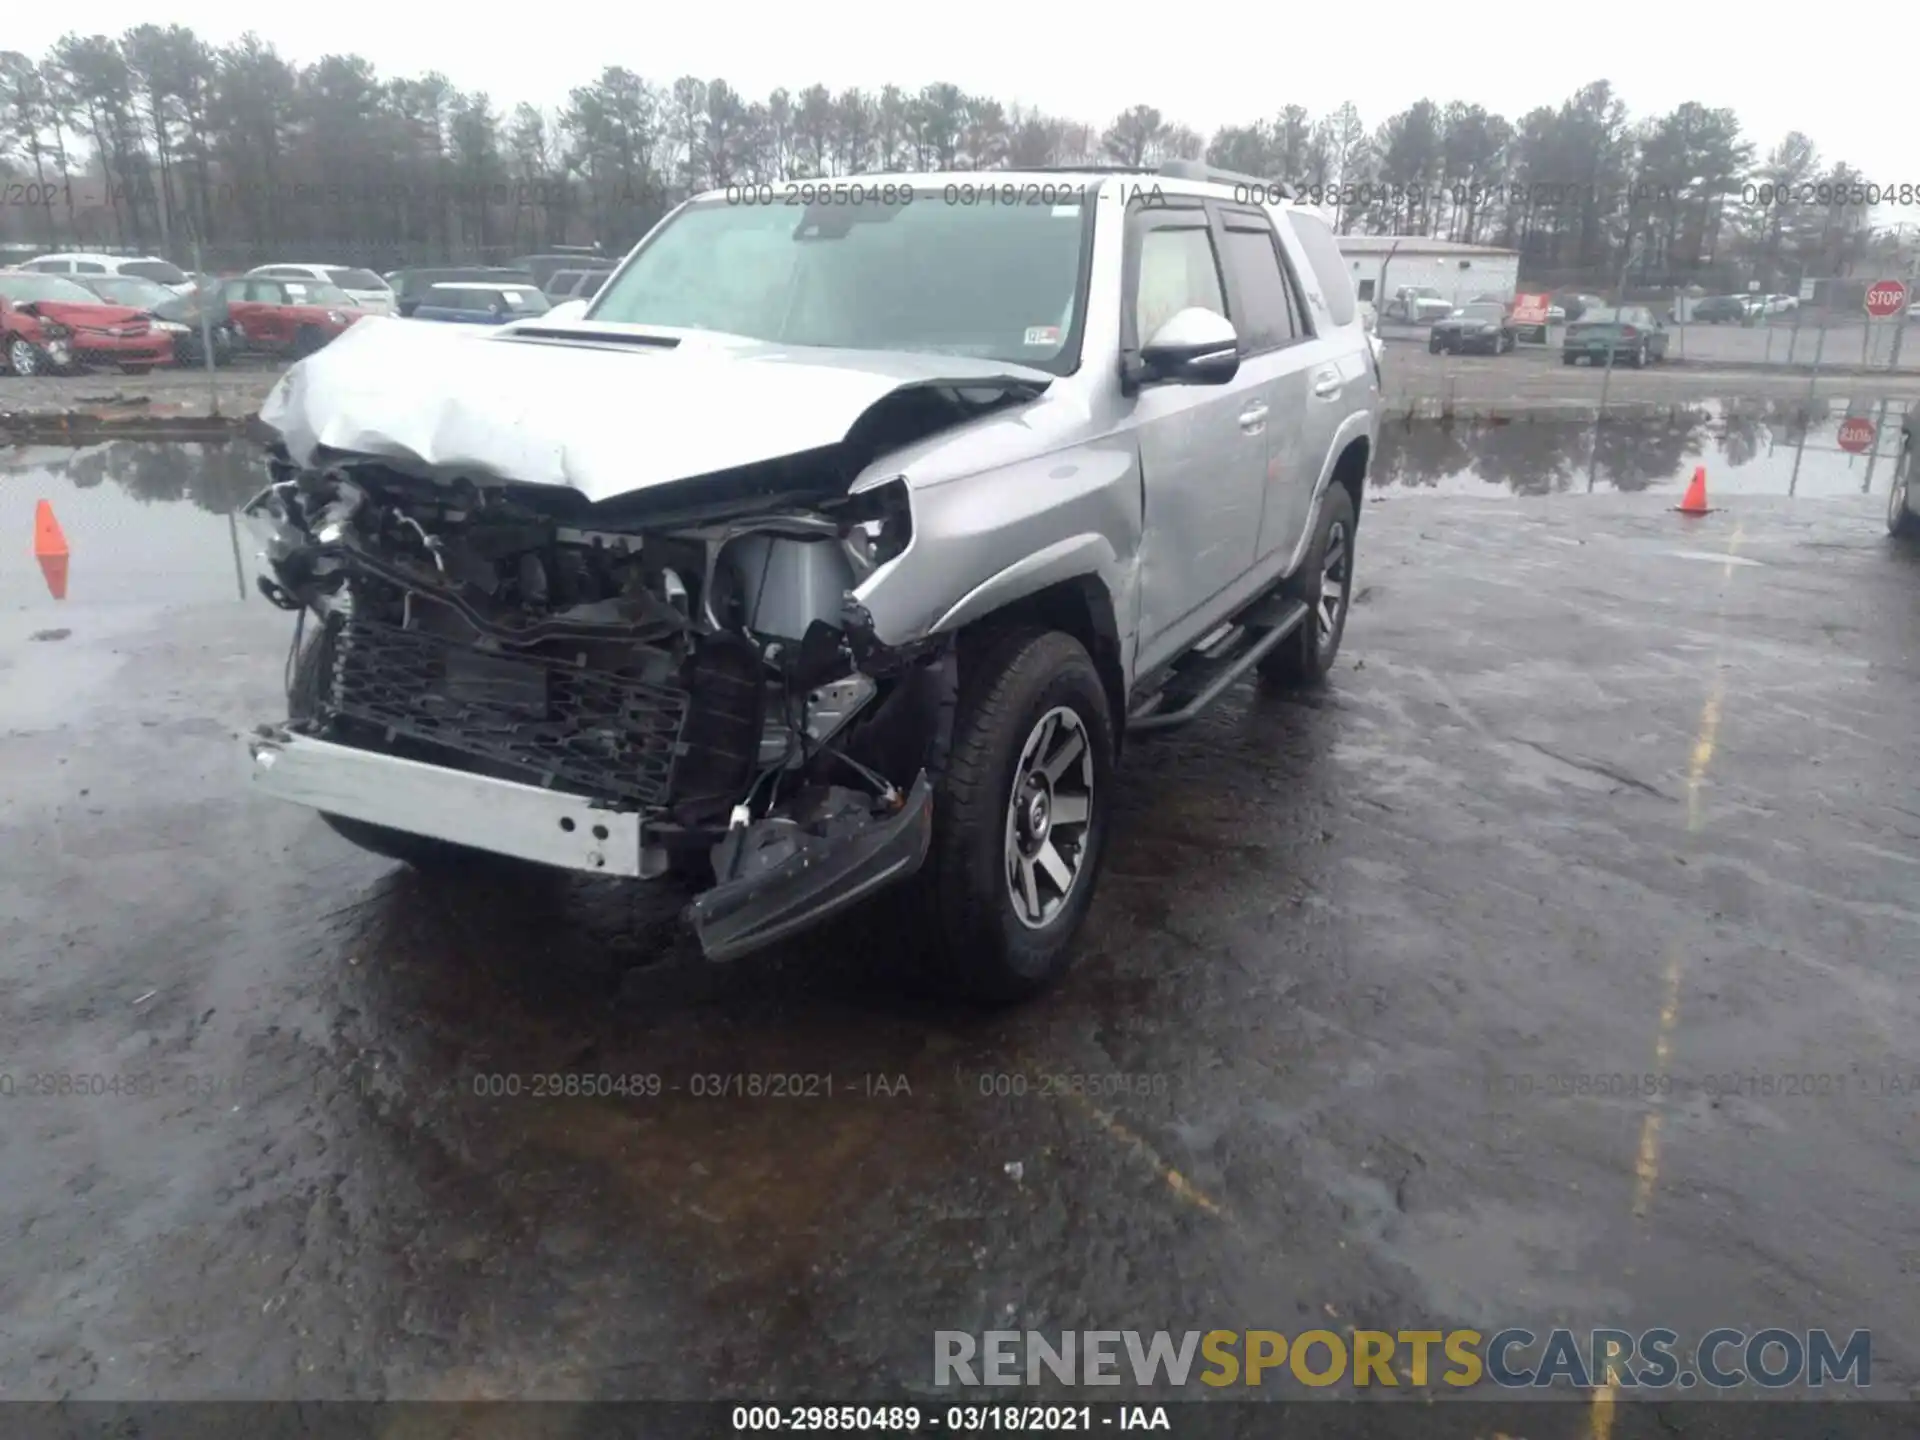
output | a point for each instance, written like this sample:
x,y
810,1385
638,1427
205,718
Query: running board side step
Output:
x,y
1288,617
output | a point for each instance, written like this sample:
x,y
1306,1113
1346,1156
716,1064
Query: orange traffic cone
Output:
x,y
1695,500
50,549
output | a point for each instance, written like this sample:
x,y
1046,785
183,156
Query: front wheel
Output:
x,y
307,341
23,358
1434,347
1901,519
1020,816
1325,583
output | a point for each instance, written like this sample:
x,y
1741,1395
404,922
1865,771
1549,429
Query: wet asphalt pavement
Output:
x,y
1598,791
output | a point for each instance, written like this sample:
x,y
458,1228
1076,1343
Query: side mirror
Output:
x,y
1195,347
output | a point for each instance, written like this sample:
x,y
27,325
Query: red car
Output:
x,y
49,325
288,317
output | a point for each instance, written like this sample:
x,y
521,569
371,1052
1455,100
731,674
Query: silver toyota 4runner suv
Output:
x,y
832,548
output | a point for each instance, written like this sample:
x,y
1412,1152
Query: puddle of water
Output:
x,y
146,523
1782,447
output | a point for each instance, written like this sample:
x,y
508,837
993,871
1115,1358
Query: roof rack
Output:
x,y
1199,170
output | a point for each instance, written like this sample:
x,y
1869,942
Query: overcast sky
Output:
x,y
1205,65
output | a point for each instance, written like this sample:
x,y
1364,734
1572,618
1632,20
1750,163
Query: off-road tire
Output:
x,y
422,852
1304,659
1903,521
982,950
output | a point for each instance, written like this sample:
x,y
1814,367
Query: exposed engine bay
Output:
x,y
710,672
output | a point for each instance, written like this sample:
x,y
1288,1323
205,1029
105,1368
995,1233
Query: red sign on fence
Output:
x,y
1856,434
1530,309
1886,297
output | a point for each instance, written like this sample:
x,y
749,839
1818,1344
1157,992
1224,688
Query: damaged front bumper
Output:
x,y
779,876
504,817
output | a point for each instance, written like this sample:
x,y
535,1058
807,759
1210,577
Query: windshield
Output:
x,y
1425,292
156,270
356,280
994,282
1481,312
127,290
1602,316
316,292
24,288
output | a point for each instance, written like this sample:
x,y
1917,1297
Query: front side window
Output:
x,y
1000,282
1178,272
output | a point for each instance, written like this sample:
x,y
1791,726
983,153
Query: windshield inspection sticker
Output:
x,y
1043,335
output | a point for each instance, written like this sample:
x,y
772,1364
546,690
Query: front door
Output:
x,y
1203,448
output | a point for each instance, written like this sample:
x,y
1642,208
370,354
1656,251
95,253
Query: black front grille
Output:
x,y
557,723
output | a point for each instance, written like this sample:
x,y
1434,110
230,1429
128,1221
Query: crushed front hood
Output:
x,y
601,409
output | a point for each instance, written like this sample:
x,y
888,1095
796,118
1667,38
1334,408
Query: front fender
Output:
x,y
1064,560
981,541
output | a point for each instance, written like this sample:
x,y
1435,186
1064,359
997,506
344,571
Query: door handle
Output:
x,y
1327,384
1252,418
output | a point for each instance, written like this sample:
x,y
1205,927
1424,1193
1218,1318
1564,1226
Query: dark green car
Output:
x,y
1633,334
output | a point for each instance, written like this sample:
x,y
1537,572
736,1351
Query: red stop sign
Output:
x,y
1886,297
1856,434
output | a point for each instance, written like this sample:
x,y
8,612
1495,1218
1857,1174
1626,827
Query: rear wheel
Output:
x,y
1901,518
1325,583
1020,816
23,357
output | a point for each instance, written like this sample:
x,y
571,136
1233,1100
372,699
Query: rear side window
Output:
x,y
88,267
1261,291
1328,268
1177,272
591,284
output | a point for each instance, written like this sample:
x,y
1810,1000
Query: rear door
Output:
x,y
1275,351
272,325
1203,448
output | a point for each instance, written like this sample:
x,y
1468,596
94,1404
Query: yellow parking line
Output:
x,y
1646,1161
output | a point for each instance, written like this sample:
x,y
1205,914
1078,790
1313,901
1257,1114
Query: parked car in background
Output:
x,y
481,302
178,316
147,267
574,285
1483,326
366,290
1719,310
411,286
1418,304
288,317
1632,333
50,324
543,267
1575,303
1903,513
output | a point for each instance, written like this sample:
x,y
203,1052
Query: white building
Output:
x,y
1382,264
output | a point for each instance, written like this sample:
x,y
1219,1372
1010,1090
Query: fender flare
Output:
x,y
1358,426
1066,559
